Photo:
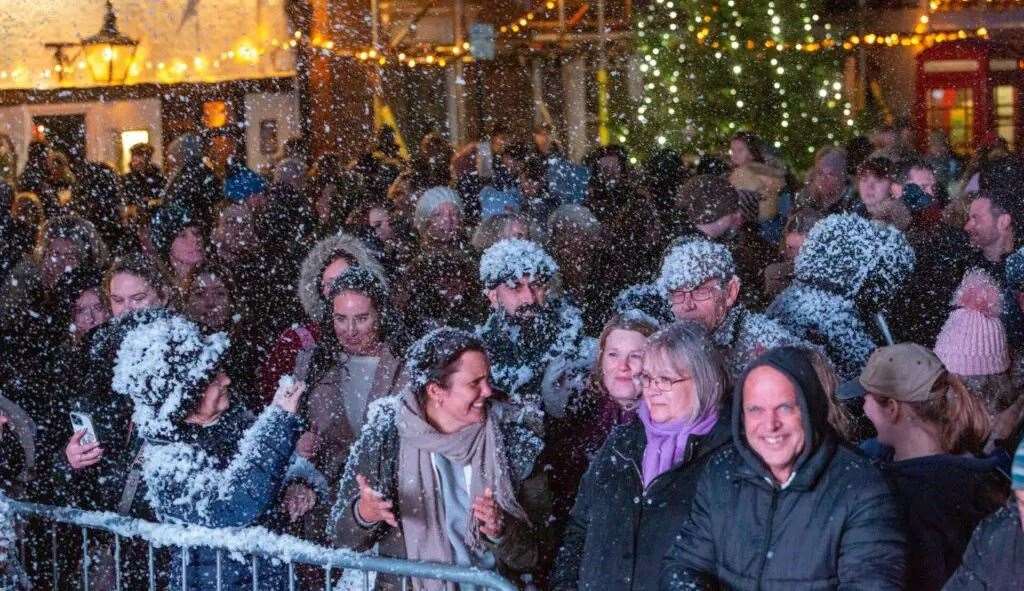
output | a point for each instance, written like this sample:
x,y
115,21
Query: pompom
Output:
x,y
979,291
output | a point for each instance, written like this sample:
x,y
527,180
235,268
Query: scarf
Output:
x,y
422,508
666,442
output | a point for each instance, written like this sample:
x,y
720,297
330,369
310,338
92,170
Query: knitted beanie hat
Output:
x,y
430,200
163,364
166,224
973,340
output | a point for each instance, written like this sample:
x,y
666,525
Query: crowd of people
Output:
x,y
696,372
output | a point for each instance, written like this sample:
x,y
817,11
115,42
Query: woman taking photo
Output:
x,y
430,477
637,490
931,429
205,461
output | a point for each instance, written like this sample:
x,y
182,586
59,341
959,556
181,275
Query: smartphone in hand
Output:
x,y
83,421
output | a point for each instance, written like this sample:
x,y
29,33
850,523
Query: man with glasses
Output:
x,y
699,281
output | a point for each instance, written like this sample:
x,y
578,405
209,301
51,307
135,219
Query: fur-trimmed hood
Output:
x,y
318,258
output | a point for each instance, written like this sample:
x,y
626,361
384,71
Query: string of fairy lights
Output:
x,y
246,53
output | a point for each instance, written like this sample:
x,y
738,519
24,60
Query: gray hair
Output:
x,y
687,348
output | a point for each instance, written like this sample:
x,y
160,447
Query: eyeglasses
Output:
x,y
701,294
661,383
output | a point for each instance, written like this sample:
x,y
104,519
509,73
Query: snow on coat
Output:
x,y
743,336
848,267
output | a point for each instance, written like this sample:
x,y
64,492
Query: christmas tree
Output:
x,y
713,68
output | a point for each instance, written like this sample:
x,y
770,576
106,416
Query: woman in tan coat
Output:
x,y
353,364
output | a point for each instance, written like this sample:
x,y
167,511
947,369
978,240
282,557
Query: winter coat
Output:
x,y
18,446
994,560
943,498
519,362
743,336
324,409
143,186
208,480
195,187
834,525
619,532
283,355
848,269
752,254
572,440
375,455
943,256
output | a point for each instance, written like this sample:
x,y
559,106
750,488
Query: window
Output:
x,y
128,139
1003,99
952,111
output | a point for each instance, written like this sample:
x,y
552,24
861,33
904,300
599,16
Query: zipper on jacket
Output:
x,y
768,535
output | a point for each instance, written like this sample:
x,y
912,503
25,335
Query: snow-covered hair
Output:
x,y
692,262
512,259
162,364
432,358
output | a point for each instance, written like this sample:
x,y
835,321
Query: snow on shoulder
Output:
x,y
512,259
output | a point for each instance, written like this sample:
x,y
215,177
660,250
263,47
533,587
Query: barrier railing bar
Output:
x,y
296,550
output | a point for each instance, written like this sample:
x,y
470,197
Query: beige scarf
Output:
x,y
419,500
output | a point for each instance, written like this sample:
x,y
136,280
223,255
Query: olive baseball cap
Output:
x,y
904,372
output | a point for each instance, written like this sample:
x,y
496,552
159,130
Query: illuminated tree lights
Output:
x,y
710,70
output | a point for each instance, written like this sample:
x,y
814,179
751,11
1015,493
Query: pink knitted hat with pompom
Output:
x,y
973,340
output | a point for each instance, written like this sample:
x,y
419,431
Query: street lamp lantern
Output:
x,y
109,53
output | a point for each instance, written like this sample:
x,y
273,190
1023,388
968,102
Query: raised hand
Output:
x,y
372,506
490,516
82,456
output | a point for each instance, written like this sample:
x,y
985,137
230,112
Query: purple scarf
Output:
x,y
666,442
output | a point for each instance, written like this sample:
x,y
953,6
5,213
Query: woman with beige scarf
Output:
x,y
430,477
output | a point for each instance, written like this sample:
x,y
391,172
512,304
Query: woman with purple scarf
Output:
x,y
637,491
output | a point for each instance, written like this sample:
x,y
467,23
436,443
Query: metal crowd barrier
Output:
x,y
252,541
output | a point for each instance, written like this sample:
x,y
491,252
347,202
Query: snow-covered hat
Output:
x,y
163,364
512,259
644,299
692,262
973,340
430,200
851,256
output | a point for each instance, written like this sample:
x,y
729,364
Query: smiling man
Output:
x,y
699,281
787,506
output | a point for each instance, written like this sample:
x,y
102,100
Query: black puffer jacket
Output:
x,y
943,497
618,532
994,560
834,526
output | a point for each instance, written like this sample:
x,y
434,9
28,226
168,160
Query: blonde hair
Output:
x,y
616,322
